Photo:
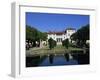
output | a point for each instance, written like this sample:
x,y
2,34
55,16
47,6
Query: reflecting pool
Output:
x,y
57,60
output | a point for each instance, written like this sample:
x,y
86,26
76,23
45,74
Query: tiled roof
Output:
x,y
61,32
57,33
70,29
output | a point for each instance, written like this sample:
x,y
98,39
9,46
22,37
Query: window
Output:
x,y
68,34
59,39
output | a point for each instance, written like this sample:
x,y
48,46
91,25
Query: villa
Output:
x,y
60,36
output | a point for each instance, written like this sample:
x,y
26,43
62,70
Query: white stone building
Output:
x,y
60,36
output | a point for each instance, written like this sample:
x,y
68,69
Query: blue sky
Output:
x,y
55,22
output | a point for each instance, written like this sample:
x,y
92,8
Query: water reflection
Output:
x,y
66,56
51,56
82,58
34,60
73,58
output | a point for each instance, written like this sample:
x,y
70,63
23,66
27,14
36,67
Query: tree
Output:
x,y
43,36
52,43
74,36
33,35
65,43
81,35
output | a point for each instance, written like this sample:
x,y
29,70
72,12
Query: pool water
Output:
x,y
57,60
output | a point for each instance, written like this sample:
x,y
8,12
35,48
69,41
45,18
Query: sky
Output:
x,y
55,22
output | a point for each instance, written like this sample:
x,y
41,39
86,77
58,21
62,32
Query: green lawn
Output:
x,y
45,50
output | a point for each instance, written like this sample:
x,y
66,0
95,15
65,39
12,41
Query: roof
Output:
x,y
57,33
70,29
61,32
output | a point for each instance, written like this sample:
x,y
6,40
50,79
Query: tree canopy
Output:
x,y
82,34
32,34
52,43
65,43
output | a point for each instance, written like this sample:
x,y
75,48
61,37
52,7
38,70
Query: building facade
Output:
x,y
60,36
